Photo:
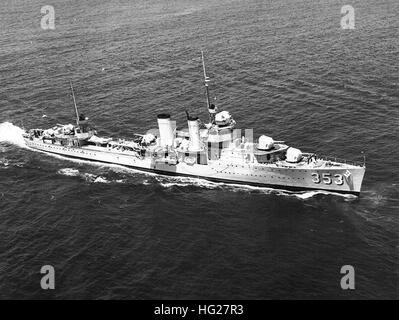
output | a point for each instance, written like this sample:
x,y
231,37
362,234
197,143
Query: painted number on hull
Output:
x,y
327,179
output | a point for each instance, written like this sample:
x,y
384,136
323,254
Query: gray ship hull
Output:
x,y
335,178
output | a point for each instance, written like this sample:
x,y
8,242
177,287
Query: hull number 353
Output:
x,y
328,178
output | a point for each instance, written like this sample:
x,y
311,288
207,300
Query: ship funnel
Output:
x,y
166,130
194,131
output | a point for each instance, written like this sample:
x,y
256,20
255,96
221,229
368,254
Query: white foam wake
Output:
x,y
310,194
11,134
4,162
89,177
69,172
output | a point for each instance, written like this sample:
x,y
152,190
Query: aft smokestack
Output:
x,y
166,130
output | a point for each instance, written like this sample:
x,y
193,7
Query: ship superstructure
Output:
x,y
215,151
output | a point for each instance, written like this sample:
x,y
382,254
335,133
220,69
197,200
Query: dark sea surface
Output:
x,y
284,68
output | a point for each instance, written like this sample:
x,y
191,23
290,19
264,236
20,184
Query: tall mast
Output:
x,y
211,107
206,80
74,102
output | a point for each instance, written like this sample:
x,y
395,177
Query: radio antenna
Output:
x,y
74,102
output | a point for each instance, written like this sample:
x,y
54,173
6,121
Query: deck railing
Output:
x,y
340,160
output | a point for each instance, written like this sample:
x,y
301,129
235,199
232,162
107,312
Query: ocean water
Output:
x,y
283,68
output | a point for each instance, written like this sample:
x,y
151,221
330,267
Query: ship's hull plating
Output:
x,y
335,179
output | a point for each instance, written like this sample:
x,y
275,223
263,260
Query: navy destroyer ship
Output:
x,y
215,151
